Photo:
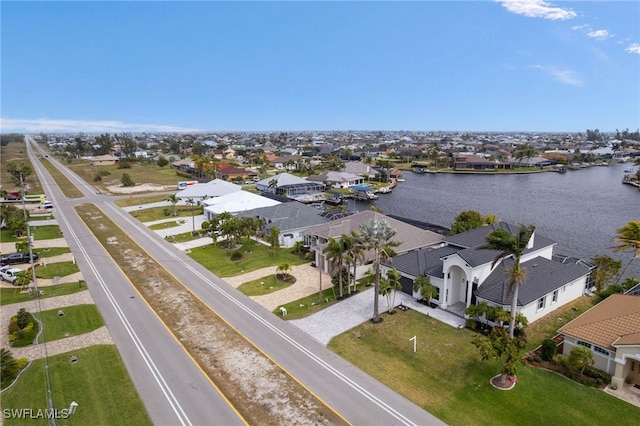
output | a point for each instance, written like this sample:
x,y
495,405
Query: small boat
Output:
x,y
399,179
629,170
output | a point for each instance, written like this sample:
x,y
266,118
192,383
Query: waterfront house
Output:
x,y
611,329
408,236
462,273
337,179
475,162
291,218
290,186
235,203
203,191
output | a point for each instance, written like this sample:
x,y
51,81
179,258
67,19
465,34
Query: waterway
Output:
x,y
581,209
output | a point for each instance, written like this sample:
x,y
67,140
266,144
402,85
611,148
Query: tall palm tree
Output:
x,y
173,199
191,202
376,236
354,254
509,245
628,238
335,254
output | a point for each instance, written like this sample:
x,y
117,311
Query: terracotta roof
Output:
x,y
612,322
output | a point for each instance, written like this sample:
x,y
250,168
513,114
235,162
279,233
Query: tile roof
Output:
x,y
288,216
543,276
614,321
477,237
408,236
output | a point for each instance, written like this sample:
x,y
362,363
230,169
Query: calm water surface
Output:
x,y
581,210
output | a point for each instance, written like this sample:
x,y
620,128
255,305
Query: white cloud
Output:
x,y
76,126
580,27
537,9
633,48
563,76
599,34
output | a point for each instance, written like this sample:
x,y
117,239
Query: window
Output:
x,y
600,350
585,344
541,303
554,296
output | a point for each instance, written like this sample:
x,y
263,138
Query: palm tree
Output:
x,y
335,254
191,202
422,285
376,236
173,199
509,245
628,238
393,278
354,254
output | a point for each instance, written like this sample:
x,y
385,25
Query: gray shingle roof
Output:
x,y
543,276
288,216
426,261
477,237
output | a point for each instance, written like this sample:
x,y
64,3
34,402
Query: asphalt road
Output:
x,y
354,394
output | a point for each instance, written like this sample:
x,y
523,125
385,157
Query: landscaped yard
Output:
x,y
76,320
50,252
218,260
46,232
264,285
97,382
446,378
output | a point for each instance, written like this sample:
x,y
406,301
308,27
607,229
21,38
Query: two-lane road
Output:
x,y
348,390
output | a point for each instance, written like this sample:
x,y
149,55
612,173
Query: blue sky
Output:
x,y
525,65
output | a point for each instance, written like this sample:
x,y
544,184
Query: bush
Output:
x,y
127,180
236,255
597,374
23,318
124,164
548,349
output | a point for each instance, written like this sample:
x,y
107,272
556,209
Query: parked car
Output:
x,y
46,205
12,196
16,258
9,274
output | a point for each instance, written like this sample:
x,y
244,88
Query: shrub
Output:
x,y
13,326
236,255
124,164
628,380
127,180
614,386
597,374
23,318
471,324
537,358
548,349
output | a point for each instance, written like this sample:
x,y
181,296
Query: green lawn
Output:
x,y
141,200
77,319
98,383
50,252
217,259
58,269
157,213
446,378
140,173
45,232
264,285
13,295
164,225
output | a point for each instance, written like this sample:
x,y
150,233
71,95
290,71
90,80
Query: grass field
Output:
x,y
16,152
45,232
157,213
135,201
139,172
52,251
446,377
77,319
13,295
65,185
58,269
217,259
164,225
98,383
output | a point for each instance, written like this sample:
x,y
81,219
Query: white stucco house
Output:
x,y
462,274
234,203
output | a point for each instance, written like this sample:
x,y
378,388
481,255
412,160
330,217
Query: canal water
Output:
x,y
581,209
